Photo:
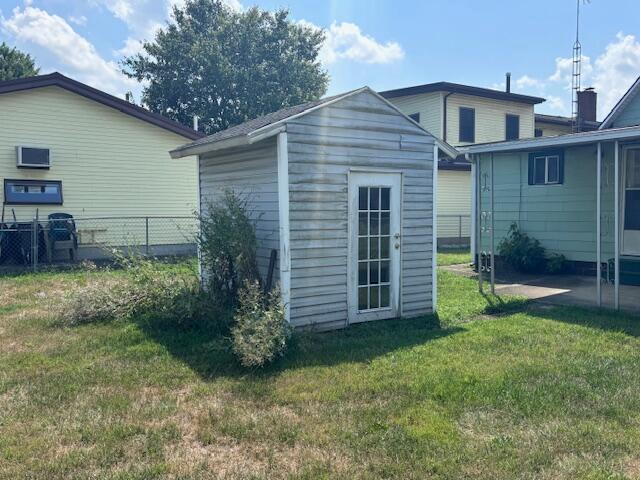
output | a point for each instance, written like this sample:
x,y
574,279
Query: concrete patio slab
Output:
x,y
559,289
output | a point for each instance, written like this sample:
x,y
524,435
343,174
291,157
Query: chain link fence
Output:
x,y
64,239
454,230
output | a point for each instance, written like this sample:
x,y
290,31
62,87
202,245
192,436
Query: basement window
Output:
x,y
32,192
546,168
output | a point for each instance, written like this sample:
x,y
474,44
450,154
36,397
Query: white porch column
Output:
x,y
493,237
616,160
479,218
599,226
474,208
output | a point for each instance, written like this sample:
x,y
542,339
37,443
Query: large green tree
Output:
x,y
227,66
15,64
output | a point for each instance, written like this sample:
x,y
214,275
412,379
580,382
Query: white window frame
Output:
x,y
546,169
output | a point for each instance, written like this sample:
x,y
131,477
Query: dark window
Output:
x,y
632,210
538,132
546,168
467,125
33,157
33,192
415,117
513,127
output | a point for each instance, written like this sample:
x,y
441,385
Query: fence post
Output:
x,y
34,244
146,233
460,228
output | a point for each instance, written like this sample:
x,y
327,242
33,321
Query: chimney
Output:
x,y
508,83
195,122
587,101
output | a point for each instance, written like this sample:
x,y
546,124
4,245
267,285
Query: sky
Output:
x,y
381,43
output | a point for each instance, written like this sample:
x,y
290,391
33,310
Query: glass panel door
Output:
x,y
374,248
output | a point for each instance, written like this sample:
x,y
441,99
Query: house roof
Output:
x,y
563,121
58,80
571,139
622,103
268,125
465,89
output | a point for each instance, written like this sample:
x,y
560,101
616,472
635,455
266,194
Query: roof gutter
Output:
x,y
238,141
626,133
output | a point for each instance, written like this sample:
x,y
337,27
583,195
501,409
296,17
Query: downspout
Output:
x,y
444,115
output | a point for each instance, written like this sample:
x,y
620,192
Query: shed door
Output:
x,y
374,246
631,205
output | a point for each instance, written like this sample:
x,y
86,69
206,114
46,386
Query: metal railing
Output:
x,y
67,240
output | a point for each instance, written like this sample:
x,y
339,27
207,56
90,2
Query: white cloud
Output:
x,y
526,81
345,41
564,70
131,47
556,104
616,70
78,20
57,38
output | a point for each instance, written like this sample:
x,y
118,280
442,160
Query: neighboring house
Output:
x,y
67,147
579,194
342,189
463,115
553,125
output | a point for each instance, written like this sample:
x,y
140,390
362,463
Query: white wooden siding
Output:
x,y
253,174
454,199
324,145
553,130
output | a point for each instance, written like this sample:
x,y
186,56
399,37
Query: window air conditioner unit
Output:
x,y
33,157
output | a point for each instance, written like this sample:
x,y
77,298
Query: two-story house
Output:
x,y
464,115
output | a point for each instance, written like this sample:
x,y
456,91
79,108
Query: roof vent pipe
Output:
x,y
508,83
195,122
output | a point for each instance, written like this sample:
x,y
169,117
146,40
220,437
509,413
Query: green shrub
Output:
x,y
556,264
227,242
521,252
260,332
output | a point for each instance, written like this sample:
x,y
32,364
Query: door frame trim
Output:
x,y
351,248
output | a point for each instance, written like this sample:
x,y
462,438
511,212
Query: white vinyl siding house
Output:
x,y
109,163
490,118
342,261
439,106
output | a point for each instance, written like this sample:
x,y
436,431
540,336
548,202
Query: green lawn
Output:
x,y
494,388
453,257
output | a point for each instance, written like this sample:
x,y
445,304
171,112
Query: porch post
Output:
x,y
479,219
493,240
616,160
474,208
599,226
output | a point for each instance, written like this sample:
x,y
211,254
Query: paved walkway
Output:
x,y
558,289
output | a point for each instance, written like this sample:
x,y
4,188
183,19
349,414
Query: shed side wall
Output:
x,y
252,174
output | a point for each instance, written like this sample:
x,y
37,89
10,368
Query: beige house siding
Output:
x,y
490,118
110,163
552,130
428,105
454,200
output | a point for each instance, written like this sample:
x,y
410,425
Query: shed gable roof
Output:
x,y
622,104
272,123
58,80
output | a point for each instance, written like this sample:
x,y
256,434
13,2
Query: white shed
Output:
x,y
343,189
